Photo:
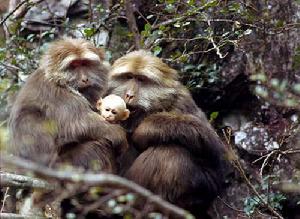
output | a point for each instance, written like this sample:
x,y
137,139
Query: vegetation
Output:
x,y
239,58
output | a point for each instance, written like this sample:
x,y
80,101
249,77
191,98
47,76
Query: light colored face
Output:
x,y
113,108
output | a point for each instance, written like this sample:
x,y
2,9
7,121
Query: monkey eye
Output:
x,y
114,112
129,77
107,110
142,79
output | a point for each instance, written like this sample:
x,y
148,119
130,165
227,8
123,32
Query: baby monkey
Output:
x,y
113,108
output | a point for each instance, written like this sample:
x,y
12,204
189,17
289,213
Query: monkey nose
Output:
x,y
85,80
128,98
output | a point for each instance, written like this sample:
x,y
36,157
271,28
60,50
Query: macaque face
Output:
x,y
113,108
78,64
144,81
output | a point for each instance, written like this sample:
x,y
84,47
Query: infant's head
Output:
x,y
113,108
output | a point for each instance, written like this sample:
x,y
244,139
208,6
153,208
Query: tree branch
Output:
x,y
20,181
96,180
13,11
132,23
18,216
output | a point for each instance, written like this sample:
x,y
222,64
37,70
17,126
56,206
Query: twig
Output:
x,y
91,14
14,180
100,201
13,11
3,122
4,199
217,48
236,163
95,179
228,205
266,161
18,216
132,23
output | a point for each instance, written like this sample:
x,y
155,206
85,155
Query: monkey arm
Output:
x,y
117,136
184,130
92,127
33,135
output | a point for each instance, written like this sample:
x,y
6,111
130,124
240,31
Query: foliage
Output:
x,y
198,38
276,91
274,199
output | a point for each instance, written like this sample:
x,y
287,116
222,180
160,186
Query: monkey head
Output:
x,y
76,63
144,81
113,108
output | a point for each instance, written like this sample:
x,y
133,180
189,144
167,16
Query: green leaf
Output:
x,y
191,2
170,1
130,197
213,116
89,32
296,88
211,4
188,67
2,54
147,27
261,91
290,102
274,82
259,77
189,216
157,50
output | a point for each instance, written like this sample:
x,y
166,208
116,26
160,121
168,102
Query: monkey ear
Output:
x,y
126,114
99,103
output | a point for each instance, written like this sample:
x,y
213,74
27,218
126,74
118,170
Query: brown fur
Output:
x,y
180,155
53,121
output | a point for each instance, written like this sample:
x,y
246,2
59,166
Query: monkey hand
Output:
x,y
117,136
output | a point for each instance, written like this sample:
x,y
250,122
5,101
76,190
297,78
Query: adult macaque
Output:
x,y
113,108
180,155
53,119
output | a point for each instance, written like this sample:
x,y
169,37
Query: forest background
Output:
x,y
239,58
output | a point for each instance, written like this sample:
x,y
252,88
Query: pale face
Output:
x,y
111,114
113,108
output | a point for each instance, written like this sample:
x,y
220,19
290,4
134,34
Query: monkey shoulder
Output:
x,y
186,104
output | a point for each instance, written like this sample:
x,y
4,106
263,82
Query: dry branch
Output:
x,y
17,216
132,23
238,166
20,181
96,180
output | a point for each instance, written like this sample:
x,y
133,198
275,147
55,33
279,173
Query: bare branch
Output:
x,y
18,216
14,180
237,164
14,10
96,180
132,23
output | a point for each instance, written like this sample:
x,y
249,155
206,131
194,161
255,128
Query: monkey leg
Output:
x,y
91,155
171,172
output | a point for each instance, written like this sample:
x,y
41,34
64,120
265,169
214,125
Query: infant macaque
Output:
x,y
113,108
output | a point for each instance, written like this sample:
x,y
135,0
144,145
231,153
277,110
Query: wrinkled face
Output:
x,y
144,82
77,64
82,74
88,78
141,92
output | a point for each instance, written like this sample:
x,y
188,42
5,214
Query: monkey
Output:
x,y
54,120
113,108
174,150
